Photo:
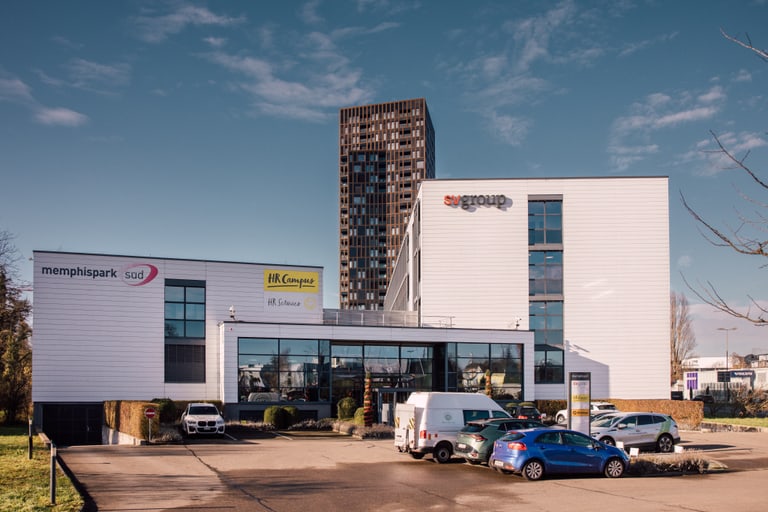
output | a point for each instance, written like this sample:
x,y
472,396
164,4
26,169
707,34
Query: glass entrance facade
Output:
x,y
273,370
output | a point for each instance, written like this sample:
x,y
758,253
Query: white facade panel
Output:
x,y
474,271
99,321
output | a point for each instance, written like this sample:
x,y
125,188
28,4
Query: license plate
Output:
x,y
498,463
461,446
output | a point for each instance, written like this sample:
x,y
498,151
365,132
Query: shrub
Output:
x,y
346,408
167,411
292,414
360,416
276,416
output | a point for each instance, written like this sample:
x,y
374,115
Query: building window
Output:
x,y
545,222
545,287
184,331
545,273
274,370
548,366
546,321
184,309
470,365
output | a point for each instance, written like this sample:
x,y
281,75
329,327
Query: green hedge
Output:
x,y
345,408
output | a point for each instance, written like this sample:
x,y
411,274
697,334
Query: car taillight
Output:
x,y
477,437
422,434
517,446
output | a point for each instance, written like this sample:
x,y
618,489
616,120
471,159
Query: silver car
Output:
x,y
642,430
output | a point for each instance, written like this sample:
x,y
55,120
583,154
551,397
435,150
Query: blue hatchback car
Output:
x,y
538,452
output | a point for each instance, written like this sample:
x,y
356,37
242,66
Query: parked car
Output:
x,y
475,440
538,452
707,399
594,407
202,418
429,421
643,430
524,411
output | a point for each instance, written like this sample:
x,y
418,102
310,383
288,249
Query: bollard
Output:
x,y
53,473
30,438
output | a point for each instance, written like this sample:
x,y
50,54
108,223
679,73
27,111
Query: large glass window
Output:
x,y
545,222
546,320
471,364
545,273
273,370
184,309
545,288
184,331
548,365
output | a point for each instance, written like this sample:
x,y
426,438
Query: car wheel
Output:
x,y
614,468
560,418
665,444
442,453
608,440
533,470
417,456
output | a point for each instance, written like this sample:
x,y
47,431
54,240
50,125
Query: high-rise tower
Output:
x,y
385,150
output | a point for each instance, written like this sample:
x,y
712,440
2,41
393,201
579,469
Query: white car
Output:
x,y
201,418
654,431
562,415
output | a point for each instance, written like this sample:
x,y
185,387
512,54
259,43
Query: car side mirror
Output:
x,y
621,426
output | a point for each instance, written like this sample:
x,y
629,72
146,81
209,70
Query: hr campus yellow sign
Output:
x,y
291,281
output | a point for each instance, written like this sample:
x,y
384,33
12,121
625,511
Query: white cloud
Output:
x,y
637,46
308,13
13,89
156,29
510,129
713,160
659,111
60,117
308,99
684,261
85,74
216,42
16,91
714,94
743,76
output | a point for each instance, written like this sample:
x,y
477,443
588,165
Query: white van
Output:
x,y
428,422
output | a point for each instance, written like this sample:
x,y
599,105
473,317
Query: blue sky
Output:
x,y
209,130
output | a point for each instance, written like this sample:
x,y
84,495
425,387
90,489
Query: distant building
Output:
x,y
385,150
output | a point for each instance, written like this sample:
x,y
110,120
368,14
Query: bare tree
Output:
x,y
682,340
749,236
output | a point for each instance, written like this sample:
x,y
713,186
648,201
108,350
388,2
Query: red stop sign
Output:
x,y
150,412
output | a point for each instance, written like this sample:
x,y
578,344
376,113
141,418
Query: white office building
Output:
x,y
581,262
110,327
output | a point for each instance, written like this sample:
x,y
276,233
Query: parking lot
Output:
x,y
328,471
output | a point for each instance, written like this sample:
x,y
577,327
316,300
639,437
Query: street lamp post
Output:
x,y
727,362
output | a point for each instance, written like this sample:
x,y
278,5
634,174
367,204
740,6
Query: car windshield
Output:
x,y
473,427
203,410
606,421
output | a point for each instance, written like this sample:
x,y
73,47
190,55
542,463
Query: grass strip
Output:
x,y
25,483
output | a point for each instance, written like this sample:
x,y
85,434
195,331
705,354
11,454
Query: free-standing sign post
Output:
x,y
149,413
579,397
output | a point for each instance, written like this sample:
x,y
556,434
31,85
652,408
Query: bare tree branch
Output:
x,y
756,313
763,54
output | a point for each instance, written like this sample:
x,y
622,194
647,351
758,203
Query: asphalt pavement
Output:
x,y
330,471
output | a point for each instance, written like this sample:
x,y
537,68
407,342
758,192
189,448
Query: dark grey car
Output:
x,y
475,440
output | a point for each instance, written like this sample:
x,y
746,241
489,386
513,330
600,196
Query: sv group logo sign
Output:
x,y
472,201
134,274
